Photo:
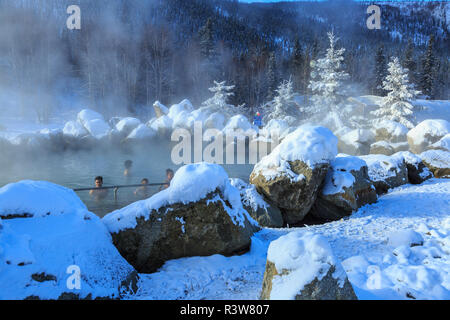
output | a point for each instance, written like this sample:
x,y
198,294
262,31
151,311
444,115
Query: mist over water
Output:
x,y
78,169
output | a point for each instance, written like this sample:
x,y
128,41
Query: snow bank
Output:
x,y
177,109
38,199
191,183
306,256
406,237
310,144
39,255
162,125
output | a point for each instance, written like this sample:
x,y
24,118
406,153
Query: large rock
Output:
x,y
427,133
417,171
267,215
126,125
200,214
47,238
292,174
356,142
390,131
443,144
382,147
438,161
347,188
386,172
301,266
94,123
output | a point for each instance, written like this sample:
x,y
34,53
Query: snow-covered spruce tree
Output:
x,y
327,82
219,102
283,106
396,105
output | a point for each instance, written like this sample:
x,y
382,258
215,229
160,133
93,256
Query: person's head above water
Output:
x,y
98,181
128,164
144,181
169,174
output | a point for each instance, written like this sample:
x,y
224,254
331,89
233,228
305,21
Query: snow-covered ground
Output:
x,y
373,245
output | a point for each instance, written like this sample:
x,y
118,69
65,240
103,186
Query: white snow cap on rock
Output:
x,y
94,123
311,144
306,256
128,124
429,128
191,183
238,122
443,144
339,175
46,245
381,166
436,158
38,199
74,129
394,128
176,109
142,132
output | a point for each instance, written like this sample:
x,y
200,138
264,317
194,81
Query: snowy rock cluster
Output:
x,y
52,247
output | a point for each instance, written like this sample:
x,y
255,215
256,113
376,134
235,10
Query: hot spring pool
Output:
x,y
78,170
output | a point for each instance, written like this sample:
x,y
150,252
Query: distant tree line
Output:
x,y
130,53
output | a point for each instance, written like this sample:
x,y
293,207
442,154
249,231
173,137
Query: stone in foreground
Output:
x,y
200,214
291,176
301,266
347,187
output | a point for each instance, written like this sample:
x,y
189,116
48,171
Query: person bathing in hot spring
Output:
x,y
143,192
98,193
128,164
169,177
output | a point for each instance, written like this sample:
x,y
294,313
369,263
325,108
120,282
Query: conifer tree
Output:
x,y
428,70
396,105
380,72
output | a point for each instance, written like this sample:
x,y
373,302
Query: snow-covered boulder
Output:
x,y
438,161
94,123
215,121
127,125
391,131
356,142
426,133
407,237
141,132
200,214
386,172
52,247
160,109
347,187
162,125
176,109
443,144
74,130
291,175
237,123
267,215
276,128
302,266
417,171
382,147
